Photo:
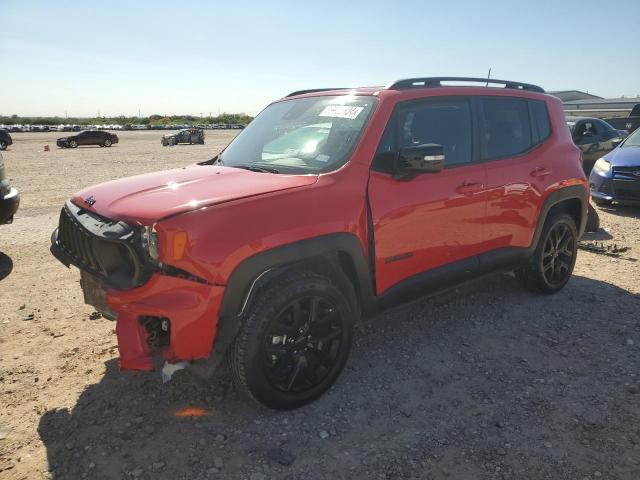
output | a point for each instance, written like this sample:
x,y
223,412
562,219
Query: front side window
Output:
x,y
443,123
507,128
446,123
306,135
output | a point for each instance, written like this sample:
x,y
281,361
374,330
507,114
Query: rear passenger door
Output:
x,y
432,219
514,147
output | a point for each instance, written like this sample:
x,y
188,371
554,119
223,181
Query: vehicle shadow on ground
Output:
x,y
484,381
6,265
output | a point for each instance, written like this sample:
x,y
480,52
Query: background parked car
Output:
x,y
88,137
5,139
9,197
616,176
594,137
187,135
630,123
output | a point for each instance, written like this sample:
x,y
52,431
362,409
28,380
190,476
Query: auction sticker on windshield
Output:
x,y
341,111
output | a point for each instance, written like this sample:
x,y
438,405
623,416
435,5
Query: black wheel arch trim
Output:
x,y
573,192
259,268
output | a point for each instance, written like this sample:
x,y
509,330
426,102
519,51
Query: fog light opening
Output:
x,y
158,330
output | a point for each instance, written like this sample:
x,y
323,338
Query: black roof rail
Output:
x,y
424,82
313,90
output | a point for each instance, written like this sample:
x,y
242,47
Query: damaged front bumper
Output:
x,y
158,314
188,309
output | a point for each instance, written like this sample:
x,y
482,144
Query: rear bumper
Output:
x,y
9,206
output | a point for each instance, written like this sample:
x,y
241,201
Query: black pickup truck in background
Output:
x,y
629,123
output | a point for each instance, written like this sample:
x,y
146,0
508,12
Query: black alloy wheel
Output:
x,y
551,265
558,253
295,338
301,344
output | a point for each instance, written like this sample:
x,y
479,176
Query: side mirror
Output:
x,y
415,159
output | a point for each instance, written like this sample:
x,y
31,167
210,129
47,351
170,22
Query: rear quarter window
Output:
x,y
541,121
506,127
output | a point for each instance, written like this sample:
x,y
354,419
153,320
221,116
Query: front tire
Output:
x,y
3,145
73,144
107,143
294,341
550,267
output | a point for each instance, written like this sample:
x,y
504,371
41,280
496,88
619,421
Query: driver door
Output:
x,y
433,219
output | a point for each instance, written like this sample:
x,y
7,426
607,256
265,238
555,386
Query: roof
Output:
x,y
420,83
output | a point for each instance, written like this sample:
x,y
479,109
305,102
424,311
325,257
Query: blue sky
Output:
x,y
198,57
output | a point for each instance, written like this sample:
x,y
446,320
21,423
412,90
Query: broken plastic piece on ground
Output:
x,y
611,251
170,368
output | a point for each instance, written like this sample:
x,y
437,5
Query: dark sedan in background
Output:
x,y
616,176
594,137
88,137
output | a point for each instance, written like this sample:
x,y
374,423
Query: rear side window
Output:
x,y
540,119
507,127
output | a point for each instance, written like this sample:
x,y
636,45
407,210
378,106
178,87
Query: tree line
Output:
x,y
227,118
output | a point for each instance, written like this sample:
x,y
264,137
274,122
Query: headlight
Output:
x,y
602,166
150,242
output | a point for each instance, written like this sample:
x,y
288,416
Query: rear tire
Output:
x,y
550,267
294,341
3,145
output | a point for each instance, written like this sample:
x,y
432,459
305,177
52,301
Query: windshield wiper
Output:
x,y
256,168
217,160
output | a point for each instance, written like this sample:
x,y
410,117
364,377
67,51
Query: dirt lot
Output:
x,y
487,381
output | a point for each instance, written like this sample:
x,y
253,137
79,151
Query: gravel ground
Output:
x,y
486,381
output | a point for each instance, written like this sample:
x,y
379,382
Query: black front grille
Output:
x,y
627,190
101,247
627,171
77,242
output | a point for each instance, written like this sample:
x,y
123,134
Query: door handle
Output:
x,y
540,172
469,187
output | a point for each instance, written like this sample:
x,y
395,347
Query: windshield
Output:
x,y
306,135
633,140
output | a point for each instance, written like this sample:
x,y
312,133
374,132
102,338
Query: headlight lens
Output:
x,y
602,166
150,242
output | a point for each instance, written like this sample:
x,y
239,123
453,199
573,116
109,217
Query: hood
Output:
x,y
148,198
624,157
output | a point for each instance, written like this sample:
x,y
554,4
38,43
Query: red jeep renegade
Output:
x,y
331,205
